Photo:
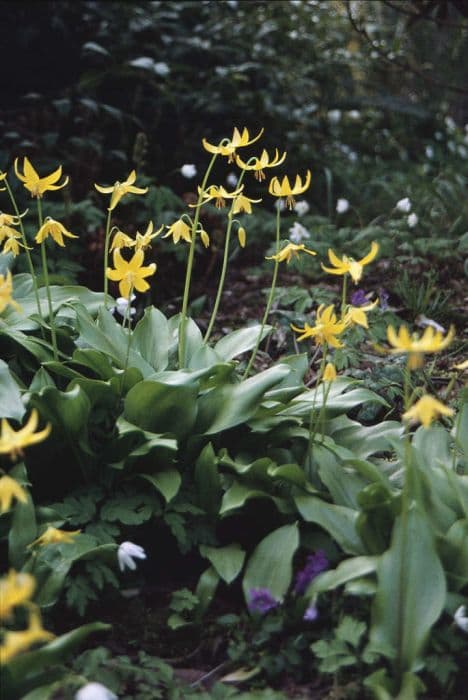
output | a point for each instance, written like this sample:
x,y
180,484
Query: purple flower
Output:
x,y
359,298
311,613
383,296
261,600
315,564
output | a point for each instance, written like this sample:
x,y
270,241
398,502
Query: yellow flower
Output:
x,y
143,240
119,189
2,177
53,228
290,251
130,274
205,239
243,204
122,240
10,489
354,267
227,147
461,366
415,346
15,589
326,328
358,314
329,374
54,536
259,164
16,642
12,244
284,189
12,442
6,291
219,194
241,236
426,410
178,230
9,219
38,185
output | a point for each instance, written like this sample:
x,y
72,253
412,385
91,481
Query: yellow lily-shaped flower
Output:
x,y
259,164
55,229
54,536
285,189
143,240
16,642
12,442
122,240
6,291
10,219
416,346
426,410
227,147
38,185
119,189
241,236
10,489
9,237
179,230
329,374
15,589
289,251
130,274
243,204
326,328
219,194
346,264
358,314
2,177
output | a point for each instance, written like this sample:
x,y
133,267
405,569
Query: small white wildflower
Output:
x,y
161,68
460,618
429,152
298,232
354,114
342,206
188,170
462,151
352,156
404,205
95,691
231,179
422,321
412,220
334,116
121,306
452,146
301,207
127,552
450,124
280,204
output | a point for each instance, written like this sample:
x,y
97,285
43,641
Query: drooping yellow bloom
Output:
x,y
426,410
326,328
461,366
415,346
16,642
346,264
329,374
205,239
243,204
15,589
290,251
12,442
10,489
130,274
54,536
10,219
122,240
38,185
285,189
219,194
179,229
119,189
2,177
258,164
358,314
53,228
6,291
11,237
143,240
241,236
227,147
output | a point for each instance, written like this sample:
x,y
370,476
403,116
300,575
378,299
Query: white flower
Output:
x,y
450,124
231,179
188,170
161,68
334,116
95,691
121,306
126,551
280,204
460,618
404,205
298,232
412,220
462,152
354,114
422,321
429,152
301,207
342,206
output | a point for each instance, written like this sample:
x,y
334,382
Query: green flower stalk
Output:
x,y
41,239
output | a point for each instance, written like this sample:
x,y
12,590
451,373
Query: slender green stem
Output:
x,y
49,299
270,298
106,254
26,249
188,273
314,423
127,320
343,294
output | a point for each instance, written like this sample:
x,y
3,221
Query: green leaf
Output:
x,y
227,561
162,408
348,570
270,565
23,528
151,338
11,405
338,521
208,481
237,342
167,482
350,631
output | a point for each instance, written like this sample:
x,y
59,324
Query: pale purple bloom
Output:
x,y
261,600
311,613
359,298
383,298
315,564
